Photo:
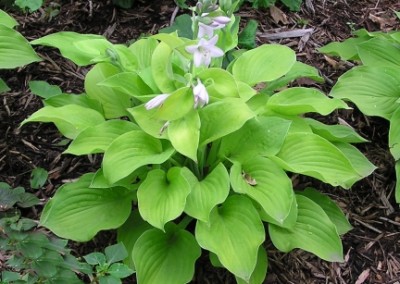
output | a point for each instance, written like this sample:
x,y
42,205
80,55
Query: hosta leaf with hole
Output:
x,y
234,233
267,184
162,196
207,193
69,119
313,232
96,139
167,258
132,150
312,155
78,212
375,90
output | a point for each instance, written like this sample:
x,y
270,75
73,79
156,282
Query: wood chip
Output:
x,y
286,34
363,276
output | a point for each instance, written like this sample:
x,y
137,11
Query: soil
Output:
x,y
372,248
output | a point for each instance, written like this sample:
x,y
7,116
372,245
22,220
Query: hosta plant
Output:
x,y
198,149
373,87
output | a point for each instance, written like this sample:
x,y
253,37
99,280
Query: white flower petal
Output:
x,y
156,101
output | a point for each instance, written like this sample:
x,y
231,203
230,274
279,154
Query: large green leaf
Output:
x,y
262,135
220,83
221,118
77,212
333,211
207,193
115,102
263,64
184,134
79,48
96,139
335,133
167,258
7,20
234,233
15,50
176,106
298,70
132,150
267,184
397,189
162,196
313,232
44,89
143,49
394,135
312,155
347,49
379,52
260,272
375,90
299,100
70,119
129,83
73,99
130,231
162,69
148,122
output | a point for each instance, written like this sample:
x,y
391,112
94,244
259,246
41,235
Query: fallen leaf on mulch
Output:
x,y
278,16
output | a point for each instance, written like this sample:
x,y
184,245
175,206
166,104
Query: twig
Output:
x,y
288,34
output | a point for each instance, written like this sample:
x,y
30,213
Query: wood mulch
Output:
x,y
372,248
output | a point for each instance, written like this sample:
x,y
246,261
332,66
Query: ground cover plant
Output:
x,y
373,87
191,226
182,151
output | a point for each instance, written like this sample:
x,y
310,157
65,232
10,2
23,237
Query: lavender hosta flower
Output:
x,y
204,51
156,101
220,22
207,30
200,94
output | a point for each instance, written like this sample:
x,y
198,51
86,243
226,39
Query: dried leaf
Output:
x,y
278,16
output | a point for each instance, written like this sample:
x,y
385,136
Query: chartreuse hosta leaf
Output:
x,y
176,106
15,49
132,150
167,258
333,211
397,190
394,135
262,135
259,273
148,122
220,83
184,134
130,231
130,83
71,47
114,101
263,64
335,133
358,161
267,184
143,49
375,90
379,52
7,20
70,119
234,233
312,155
78,212
221,118
96,139
314,232
162,196
73,99
161,68
301,100
298,70
207,193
